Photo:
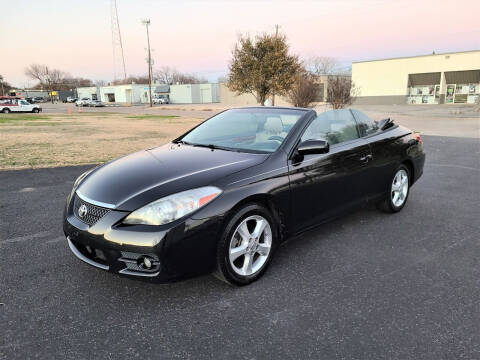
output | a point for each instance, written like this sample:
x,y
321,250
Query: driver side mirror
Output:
x,y
313,146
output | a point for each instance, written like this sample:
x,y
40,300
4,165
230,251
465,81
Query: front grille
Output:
x,y
94,213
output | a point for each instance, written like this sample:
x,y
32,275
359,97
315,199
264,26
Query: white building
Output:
x,y
90,92
139,93
194,93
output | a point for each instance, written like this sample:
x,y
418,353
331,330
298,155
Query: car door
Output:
x,y
383,148
16,106
324,185
25,106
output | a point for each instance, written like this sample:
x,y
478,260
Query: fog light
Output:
x,y
147,263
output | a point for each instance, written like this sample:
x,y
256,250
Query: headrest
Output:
x,y
273,125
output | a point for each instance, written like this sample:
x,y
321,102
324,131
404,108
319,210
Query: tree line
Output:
x,y
54,79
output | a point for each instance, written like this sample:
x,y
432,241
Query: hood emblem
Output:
x,y
82,211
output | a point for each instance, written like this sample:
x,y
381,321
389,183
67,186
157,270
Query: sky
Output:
x,y
198,36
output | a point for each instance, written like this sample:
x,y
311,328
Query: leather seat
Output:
x,y
273,127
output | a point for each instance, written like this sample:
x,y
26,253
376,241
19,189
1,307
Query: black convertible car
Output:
x,y
224,195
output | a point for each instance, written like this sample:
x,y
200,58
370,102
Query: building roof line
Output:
x,y
417,56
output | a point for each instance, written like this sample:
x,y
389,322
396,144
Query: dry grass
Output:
x,y
30,141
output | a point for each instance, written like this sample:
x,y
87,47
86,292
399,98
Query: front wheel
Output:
x,y
398,192
35,110
247,244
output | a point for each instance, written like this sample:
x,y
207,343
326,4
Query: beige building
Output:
x,y
427,79
230,98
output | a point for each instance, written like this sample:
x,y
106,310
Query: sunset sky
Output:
x,y
197,36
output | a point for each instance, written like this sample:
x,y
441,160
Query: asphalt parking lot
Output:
x,y
367,286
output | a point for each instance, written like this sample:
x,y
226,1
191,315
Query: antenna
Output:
x,y
117,47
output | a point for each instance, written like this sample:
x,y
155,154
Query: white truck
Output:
x,y
17,105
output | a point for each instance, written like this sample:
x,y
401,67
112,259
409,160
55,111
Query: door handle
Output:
x,y
366,158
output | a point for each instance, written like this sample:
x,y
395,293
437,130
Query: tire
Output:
x,y
6,111
394,203
235,271
35,110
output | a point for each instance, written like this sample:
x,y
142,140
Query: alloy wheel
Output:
x,y
250,245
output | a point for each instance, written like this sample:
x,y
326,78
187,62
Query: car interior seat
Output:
x,y
273,127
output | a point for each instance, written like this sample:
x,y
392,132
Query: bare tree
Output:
x,y
304,91
48,78
323,65
5,87
165,75
189,79
341,91
169,75
141,79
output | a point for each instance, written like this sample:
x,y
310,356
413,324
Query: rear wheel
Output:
x,y
246,247
6,110
398,192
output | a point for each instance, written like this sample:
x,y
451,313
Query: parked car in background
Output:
x,y
39,99
95,103
223,196
160,99
82,102
17,105
70,99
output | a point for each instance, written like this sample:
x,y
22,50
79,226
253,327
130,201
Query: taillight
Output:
x,y
417,137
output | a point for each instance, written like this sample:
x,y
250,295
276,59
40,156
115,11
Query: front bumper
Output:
x,y
181,249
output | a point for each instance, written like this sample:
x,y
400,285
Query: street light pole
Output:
x,y
146,22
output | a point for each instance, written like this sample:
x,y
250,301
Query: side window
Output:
x,y
335,126
366,125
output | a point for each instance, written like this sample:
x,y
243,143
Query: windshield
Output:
x,y
258,130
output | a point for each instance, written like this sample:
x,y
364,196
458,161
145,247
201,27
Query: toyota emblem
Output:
x,y
82,211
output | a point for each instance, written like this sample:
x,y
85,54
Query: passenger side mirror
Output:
x,y
313,146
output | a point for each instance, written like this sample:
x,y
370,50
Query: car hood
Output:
x,y
139,178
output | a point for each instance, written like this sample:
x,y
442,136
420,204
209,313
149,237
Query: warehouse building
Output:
x,y
140,94
232,98
449,78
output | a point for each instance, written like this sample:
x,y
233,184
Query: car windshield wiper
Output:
x,y
182,142
210,146
214,147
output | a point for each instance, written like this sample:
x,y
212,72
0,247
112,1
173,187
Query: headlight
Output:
x,y
173,207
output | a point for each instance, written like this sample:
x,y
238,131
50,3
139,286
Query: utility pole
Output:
x,y
146,22
1,81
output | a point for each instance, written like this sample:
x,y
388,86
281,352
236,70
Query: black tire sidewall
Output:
x,y
389,198
223,262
